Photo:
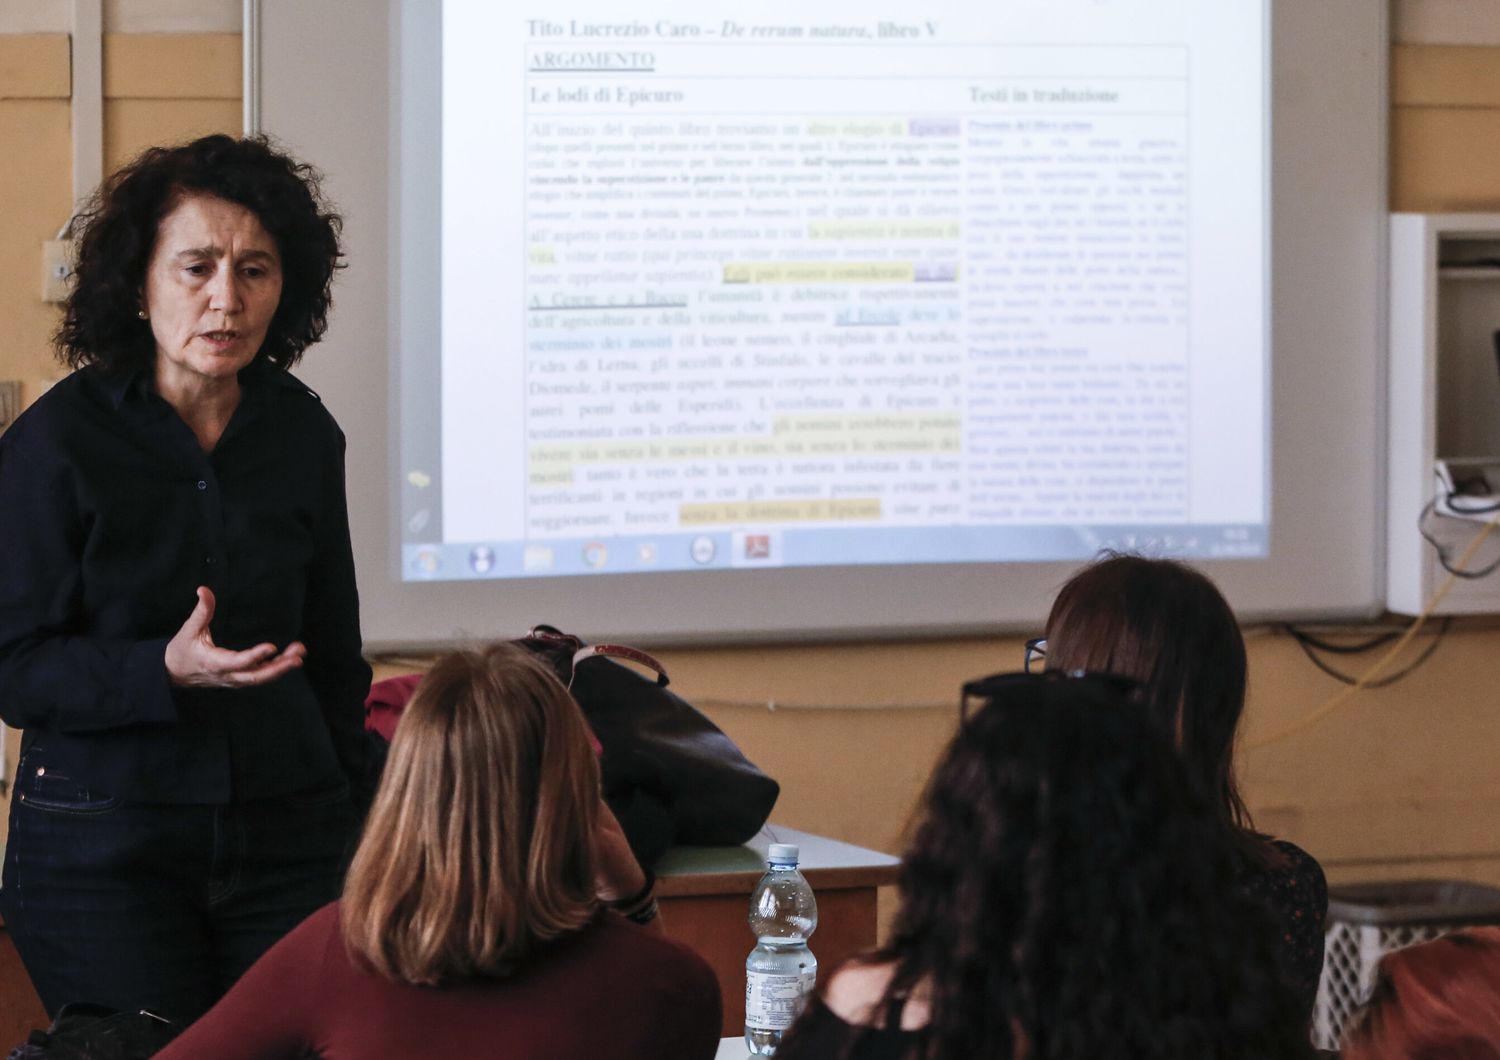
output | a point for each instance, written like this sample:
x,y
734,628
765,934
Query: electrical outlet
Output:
x,y
57,269
10,403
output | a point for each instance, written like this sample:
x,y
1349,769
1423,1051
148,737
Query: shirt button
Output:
x,y
202,485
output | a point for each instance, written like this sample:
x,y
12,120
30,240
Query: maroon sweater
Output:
x,y
613,990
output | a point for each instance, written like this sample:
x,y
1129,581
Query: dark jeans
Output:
x,y
160,907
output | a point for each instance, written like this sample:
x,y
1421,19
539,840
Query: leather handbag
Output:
x,y
669,773
86,1031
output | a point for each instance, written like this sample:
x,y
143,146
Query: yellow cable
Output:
x,y
1374,672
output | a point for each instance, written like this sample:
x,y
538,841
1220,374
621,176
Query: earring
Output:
x,y
141,313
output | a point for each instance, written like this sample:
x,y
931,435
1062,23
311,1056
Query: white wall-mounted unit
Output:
x,y
1444,423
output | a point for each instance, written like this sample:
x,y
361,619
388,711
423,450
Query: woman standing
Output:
x,y
179,631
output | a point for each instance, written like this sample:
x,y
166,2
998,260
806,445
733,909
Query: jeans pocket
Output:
x,y
39,787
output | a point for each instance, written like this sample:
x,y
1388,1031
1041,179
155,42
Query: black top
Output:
x,y
111,516
819,1034
1296,894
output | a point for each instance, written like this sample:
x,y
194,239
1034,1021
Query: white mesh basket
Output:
x,y
1368,920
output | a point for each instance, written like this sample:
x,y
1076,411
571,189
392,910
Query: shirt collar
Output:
x,y
127,383
134,384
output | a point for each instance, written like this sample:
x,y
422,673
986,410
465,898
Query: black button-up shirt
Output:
x,y
111,516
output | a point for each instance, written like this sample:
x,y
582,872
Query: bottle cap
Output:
x,y
783,853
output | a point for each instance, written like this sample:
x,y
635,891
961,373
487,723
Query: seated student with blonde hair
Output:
x,y
472,922
1436,1001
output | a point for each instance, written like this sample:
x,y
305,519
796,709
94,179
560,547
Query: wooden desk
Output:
x,y
20,1011
705,900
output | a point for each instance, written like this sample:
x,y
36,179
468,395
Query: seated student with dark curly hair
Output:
x,y
1439,1000
473,922
1068,896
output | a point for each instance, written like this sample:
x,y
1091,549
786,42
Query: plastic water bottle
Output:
x,y
781,971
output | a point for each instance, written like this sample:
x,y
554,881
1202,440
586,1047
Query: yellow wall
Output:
x,y
1402,782
1445,127
34,195
158,88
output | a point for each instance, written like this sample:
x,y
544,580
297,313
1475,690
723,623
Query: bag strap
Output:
x,y
620,651
583,652
552,633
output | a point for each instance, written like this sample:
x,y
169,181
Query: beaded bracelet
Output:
x,y
639,897
645,914
641,907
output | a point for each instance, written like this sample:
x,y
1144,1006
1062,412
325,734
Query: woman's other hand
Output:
x,y
619,880
617,875
194,661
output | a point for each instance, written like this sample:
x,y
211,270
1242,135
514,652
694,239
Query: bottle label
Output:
x,y
773,1001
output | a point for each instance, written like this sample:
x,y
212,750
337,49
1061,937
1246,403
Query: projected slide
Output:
x,y
799,285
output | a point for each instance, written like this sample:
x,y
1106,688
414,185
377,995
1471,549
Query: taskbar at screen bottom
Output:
x,y
719,548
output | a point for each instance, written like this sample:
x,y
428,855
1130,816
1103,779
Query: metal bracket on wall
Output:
x,y
10,403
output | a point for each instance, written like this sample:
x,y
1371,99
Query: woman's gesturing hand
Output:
x,y
195,661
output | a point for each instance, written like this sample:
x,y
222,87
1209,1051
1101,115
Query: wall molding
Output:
x,y
1442,75
172,66
35,66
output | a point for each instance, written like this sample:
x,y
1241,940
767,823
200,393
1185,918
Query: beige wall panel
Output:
x,y
902,674
1440,76
853,774
132,125
1404,771
857,728
35,66
1445,22
1480,870
34,205
172,66
1445,159
1397,783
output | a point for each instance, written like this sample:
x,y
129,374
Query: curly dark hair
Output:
x,y
1069,896
119,228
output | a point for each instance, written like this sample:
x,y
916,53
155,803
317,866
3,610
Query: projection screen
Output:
x,y
712,323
